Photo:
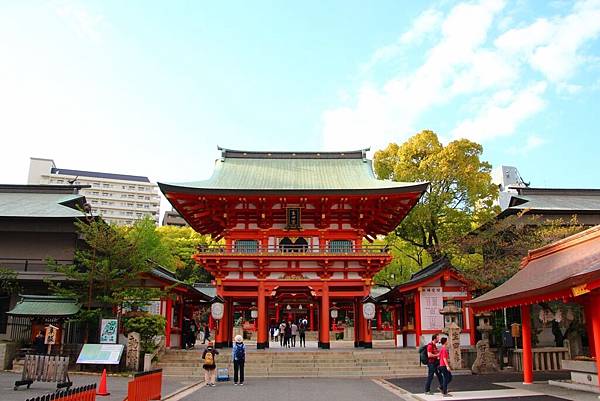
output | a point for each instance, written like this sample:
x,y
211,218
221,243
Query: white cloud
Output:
x,y
533,142
81,19
501,115
511,72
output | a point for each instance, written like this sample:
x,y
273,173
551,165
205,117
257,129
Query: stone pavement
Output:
x,y
307,389
503,386
117,386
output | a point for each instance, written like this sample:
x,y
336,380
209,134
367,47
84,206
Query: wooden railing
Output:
x,y
145,386
292,249
547,358
83,393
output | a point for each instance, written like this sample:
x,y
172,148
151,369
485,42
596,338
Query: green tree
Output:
x,y
8,281
183,243
492,254
460,195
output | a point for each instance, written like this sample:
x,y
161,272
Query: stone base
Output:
x,y
262,345
367,345
575,386
324,345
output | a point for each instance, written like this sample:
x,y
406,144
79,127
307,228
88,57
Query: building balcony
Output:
x,y
291,252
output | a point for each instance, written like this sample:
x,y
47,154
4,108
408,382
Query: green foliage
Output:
x,y
460,195
183,242
149,244
492,254
8,281
148,326
408,259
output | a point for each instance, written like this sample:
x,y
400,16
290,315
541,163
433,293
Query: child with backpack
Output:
x,y
210,364
238,355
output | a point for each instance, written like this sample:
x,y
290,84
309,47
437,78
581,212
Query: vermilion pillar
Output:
x,y
395,325
418,316
367,331
311,317
262,339
471,324
324,324
358,334
169,317
589,316
595,300
379,324
211,322
277,318
527,352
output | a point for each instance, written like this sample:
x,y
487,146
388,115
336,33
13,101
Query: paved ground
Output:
x,y
308,389
117,386
503,386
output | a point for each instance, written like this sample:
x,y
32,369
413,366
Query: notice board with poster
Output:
x,y
101,354
432,301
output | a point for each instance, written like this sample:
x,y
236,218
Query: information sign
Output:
x,y
101,354
108,331
432,302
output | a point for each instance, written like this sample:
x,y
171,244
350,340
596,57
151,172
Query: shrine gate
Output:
x,y
293,228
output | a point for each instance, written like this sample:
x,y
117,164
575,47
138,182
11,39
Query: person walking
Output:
x,y
294,334
210,364
433,362
281,333
302,333
445,367
238,354
206,333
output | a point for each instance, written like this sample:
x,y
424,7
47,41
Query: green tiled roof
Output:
x,y
262,171
28,204
41,305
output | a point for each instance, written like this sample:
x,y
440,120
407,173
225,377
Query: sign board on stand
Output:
x,y
101,354
432,300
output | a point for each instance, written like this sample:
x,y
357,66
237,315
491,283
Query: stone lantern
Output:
x,y
452,329
485,325
485,362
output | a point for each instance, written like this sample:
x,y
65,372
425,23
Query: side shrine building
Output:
x,y
294,227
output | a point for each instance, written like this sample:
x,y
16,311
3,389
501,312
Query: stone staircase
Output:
x,y
305,363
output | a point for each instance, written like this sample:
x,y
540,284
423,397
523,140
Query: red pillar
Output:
x,y
589,316
324,324
277,317
169,317
395,325
211,322
311,317
471,324
595,301
262,339
526,337
418,317
379,325
367,330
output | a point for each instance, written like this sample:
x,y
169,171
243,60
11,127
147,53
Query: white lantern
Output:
x,y
216,308
300,307
288,307
368,308
253,313
334,313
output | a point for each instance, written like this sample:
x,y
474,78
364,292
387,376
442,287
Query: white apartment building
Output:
x,y
120,199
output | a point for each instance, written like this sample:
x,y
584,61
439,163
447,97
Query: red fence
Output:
x,y
83,393
145,386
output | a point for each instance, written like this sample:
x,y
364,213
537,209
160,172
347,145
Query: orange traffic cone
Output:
x,y
102,390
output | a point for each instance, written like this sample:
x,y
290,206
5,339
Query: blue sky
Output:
x,y
151,88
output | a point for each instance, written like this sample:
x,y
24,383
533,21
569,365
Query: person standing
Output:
x,y
39,345
185,332
302,333
433,362
206,333
193,333
210,364
294,329
281,333
288,335
445,367
238,354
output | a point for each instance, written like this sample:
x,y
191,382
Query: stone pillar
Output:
x,y
324,321
262,337
133,351
527,351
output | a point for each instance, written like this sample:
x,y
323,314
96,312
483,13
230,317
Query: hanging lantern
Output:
x,y
368,308
300,307
334,312
216,308
253,313
288,307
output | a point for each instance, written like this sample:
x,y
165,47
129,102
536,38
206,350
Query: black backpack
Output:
x,y
423,356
